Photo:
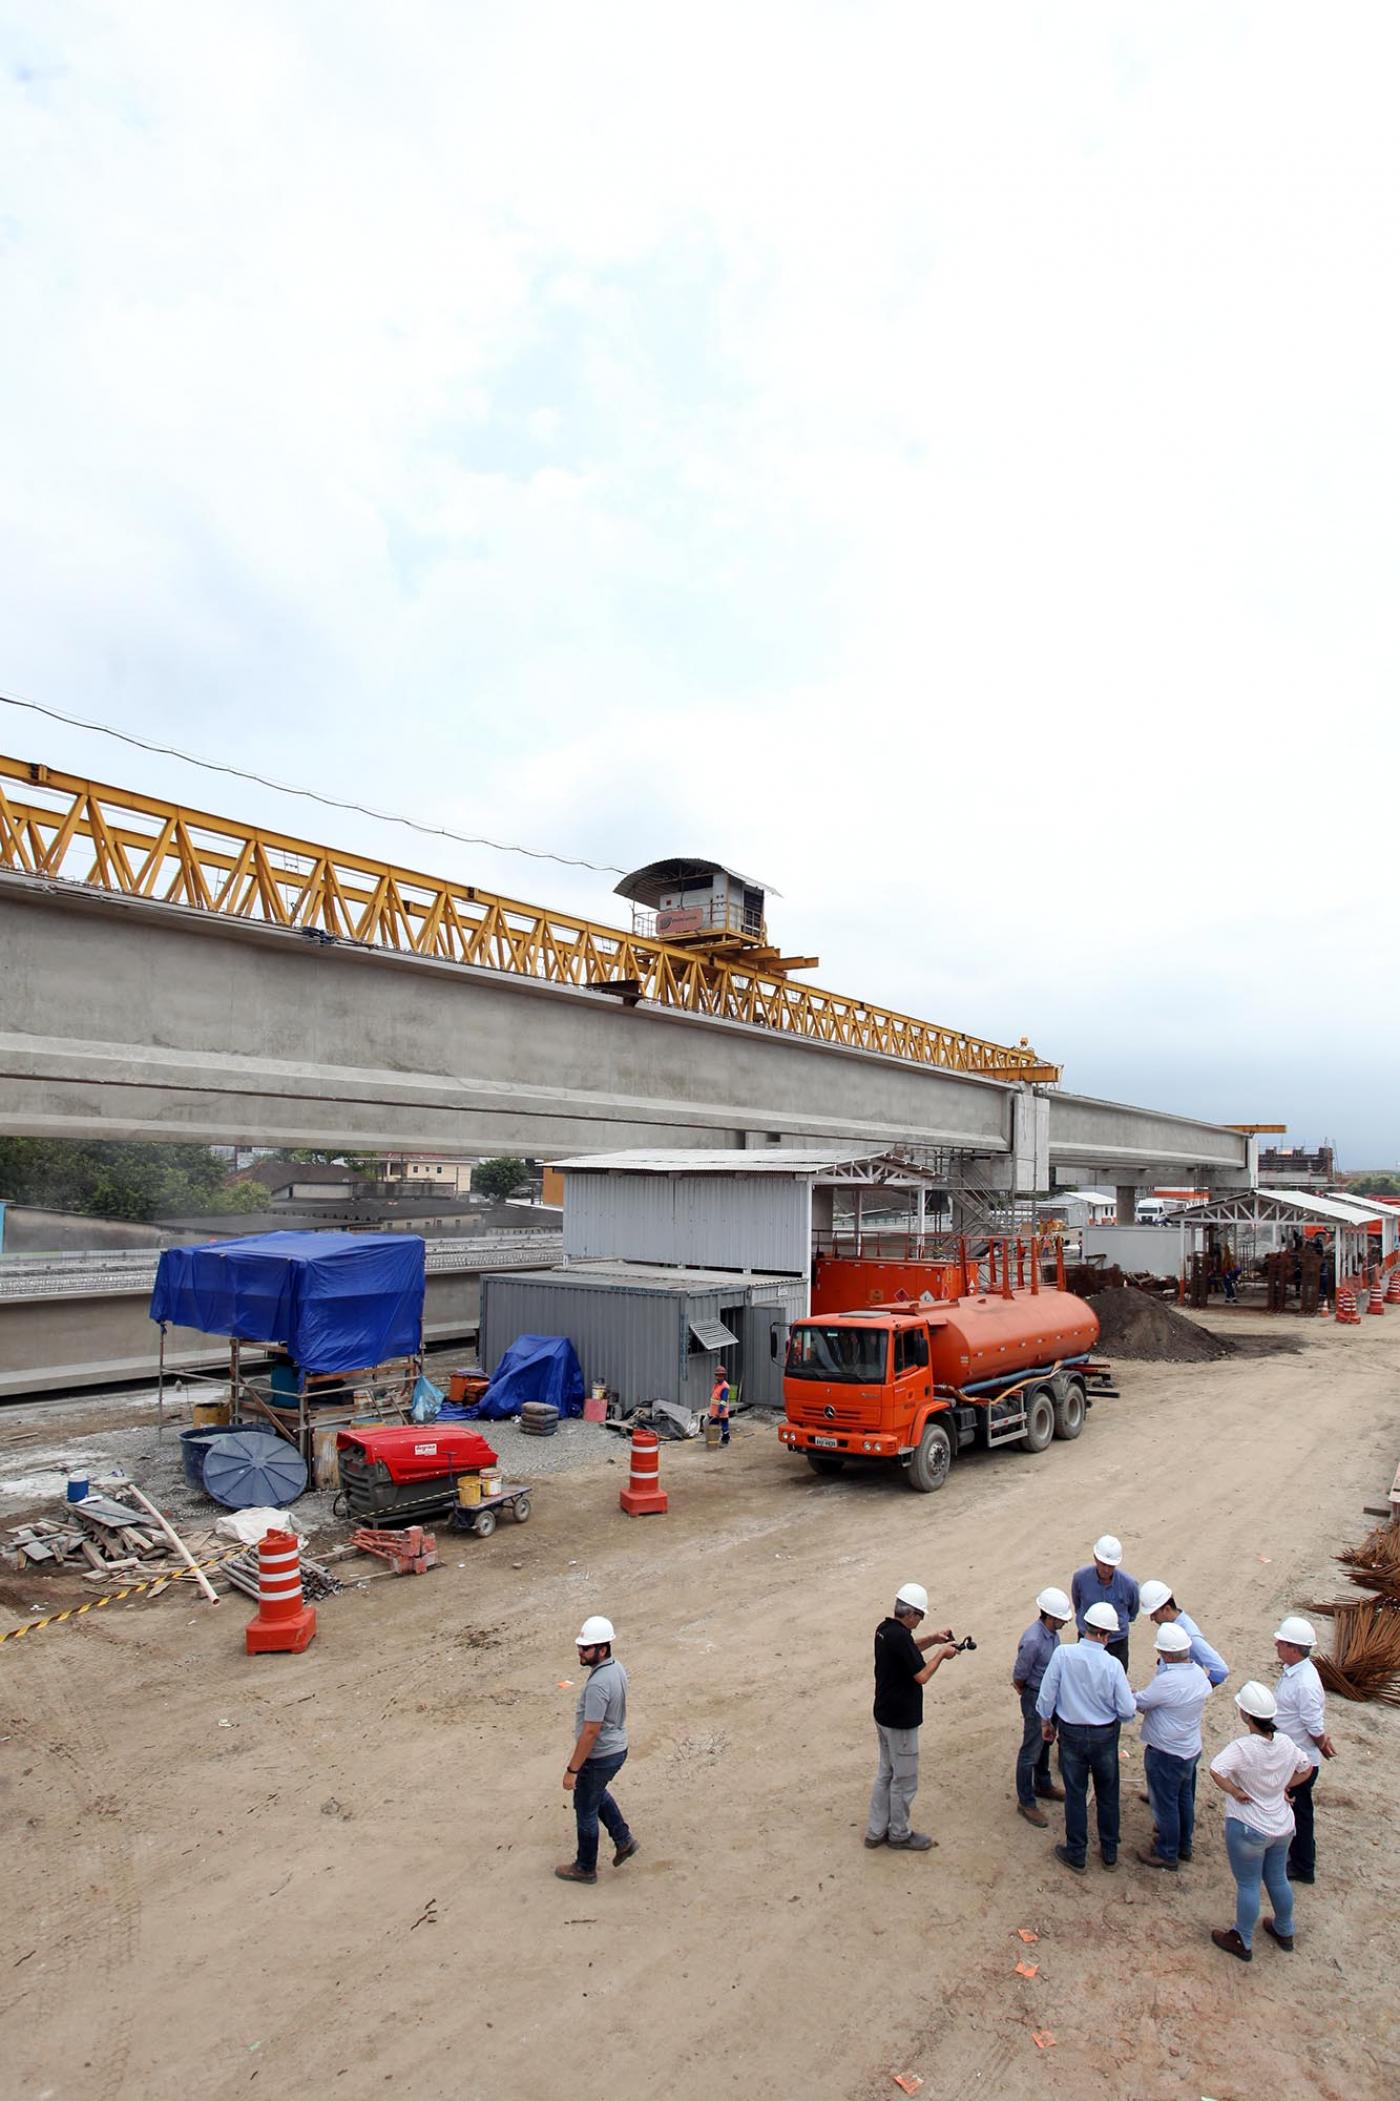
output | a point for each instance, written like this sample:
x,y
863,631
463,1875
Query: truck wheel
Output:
x,y
825,1463
1069,1413
1040,1422
928,1469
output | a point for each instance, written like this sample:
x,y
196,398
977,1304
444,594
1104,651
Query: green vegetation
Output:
x,y
1373,1184
499,1179
106,1180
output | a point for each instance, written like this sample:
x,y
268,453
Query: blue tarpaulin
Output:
x,y
534,1368
336,1301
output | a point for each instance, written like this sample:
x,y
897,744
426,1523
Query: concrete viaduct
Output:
x,y
121,1017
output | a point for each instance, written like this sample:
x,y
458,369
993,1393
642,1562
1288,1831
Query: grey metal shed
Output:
x,y
650,1332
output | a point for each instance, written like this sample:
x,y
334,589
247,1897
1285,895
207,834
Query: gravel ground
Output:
x,y
43,1442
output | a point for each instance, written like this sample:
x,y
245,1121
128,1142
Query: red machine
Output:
x,y
403,1468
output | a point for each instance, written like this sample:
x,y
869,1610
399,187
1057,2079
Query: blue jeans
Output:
x,y
1033,1758
593,1803
1254,1855
1085,1752
1171,1782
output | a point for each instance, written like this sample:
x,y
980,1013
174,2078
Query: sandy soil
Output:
x,y
329,1876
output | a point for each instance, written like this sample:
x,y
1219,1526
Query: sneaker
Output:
x,y
917,1842
621,1853
1063,1853
1155,1860
572,1872
1284,1940
1231,1943
1110,1860
873,1842
1297,1875
1033,1815
1050,1793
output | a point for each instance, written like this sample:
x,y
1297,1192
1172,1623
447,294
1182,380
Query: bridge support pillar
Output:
x,y
1127,1203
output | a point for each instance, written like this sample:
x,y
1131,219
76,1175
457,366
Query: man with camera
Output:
x,y
903,1666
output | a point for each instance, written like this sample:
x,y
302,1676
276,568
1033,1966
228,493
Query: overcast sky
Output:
x,y
943,461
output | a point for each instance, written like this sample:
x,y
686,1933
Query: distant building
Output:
x,y
419,1174
1289,1167
299,1181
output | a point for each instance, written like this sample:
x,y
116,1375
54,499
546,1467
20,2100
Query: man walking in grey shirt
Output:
x,y
600,1750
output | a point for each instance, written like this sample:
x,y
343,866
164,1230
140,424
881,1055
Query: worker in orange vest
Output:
x,y
719,1401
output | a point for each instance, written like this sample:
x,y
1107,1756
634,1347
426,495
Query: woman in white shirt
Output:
x,y
1256,1771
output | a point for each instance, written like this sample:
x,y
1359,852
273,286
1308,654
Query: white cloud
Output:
x,y
943,460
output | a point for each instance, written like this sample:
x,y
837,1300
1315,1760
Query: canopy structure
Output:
x,y
336,1301
1352,1220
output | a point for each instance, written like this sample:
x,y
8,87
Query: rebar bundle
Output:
x,y
1365,1659
1375,1564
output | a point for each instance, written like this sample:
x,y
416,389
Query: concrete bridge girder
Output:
x,y
125,1018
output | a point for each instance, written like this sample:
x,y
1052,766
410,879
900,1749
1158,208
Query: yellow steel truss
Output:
x,y
56,825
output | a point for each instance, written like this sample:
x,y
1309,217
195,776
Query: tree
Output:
x,y
108,1180
499,1178
1373,1185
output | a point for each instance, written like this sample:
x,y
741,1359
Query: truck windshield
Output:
x,y
855,1356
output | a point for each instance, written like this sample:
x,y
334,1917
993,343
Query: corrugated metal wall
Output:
x,y
638,1340
720,1221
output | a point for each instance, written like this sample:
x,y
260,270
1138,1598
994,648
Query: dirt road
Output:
x,y
330,1876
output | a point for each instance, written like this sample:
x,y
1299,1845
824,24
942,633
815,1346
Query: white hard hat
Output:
x,y
912,1594
1154,1595
593,1631
1256,1699
1108,1550
1301,1633
1102,1617
1173,1640
1056,1604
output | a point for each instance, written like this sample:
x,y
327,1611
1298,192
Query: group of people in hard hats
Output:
x,y
1079,1696
1076,1694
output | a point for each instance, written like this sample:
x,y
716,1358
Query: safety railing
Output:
x,y
60,826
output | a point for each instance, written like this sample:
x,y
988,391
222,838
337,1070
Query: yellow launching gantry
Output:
x,y
57,826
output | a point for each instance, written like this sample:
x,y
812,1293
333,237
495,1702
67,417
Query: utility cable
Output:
x,y
331,802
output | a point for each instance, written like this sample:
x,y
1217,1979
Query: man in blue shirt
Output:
x,y
1162,1609
1106,1582
1085,1698
1171,1704
1038,1645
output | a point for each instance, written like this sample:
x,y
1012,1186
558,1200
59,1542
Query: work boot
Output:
x,y
1110,1860
1032,1815
1050,1793
1231,1943
621,1853
1155,1860
917,1842
1285,1940
872,1842
1063,1853
572,1872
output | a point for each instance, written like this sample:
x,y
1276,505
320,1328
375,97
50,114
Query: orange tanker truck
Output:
x,y
918,1383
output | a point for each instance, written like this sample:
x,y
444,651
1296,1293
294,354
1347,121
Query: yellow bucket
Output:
x,y
469,1488
209,1415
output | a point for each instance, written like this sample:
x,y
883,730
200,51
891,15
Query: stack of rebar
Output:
x,y
1365,1660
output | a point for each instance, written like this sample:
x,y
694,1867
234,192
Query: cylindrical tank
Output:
x,y
989,1336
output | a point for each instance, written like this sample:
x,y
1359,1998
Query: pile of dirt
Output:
x,y
1132,1324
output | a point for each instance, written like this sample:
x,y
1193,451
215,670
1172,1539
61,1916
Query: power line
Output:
x,y
331,802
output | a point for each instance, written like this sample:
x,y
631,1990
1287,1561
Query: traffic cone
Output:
x,y
1392,1289
1347,1314
644,1496
284,1623
1376,1302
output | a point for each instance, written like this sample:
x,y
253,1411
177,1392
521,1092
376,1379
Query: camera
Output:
x,y
966,1643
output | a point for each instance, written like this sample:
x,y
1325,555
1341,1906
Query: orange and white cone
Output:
x,y
644,1496
284,1623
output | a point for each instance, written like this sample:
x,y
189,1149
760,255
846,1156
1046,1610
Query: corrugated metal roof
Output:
x,y
654,1276
1290,1203
775,1160
713,1335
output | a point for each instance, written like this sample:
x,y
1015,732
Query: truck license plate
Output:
x,y
825,1440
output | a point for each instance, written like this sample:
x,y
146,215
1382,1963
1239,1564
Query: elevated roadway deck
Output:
x,y
124,1017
